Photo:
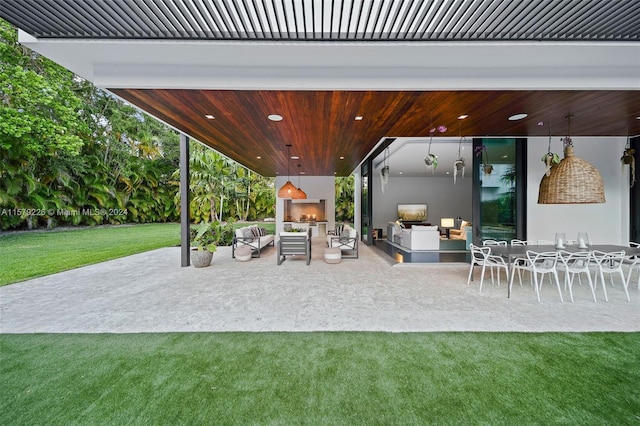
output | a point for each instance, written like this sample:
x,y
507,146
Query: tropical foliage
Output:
x,y
75,155
345,192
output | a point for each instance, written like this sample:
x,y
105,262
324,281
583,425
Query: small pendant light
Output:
x,y
288,190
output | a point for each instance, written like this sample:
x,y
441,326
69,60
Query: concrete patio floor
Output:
x,y
150,292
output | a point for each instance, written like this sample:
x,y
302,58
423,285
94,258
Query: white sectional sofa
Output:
x,y
421,238
417,238
253,236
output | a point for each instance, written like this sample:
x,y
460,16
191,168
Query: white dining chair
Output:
x,y
610,263
634,265
520,259
482,256
494,243
576,264
539,263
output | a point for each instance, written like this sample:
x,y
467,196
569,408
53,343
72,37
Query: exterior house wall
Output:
x,y
605,223
316,187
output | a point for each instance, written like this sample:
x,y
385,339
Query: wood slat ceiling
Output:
x,y
321,125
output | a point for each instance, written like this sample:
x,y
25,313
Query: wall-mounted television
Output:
x,y
412,212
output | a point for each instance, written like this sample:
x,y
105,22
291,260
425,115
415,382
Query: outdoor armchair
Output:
x,y
294,244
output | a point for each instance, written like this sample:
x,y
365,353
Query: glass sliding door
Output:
x,y
499,192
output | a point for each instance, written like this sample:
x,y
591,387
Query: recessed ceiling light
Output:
x,y
448,173
517,117
303,173
399,173
295,157
259,158
505,156
358,118
638,117
463,116
275,117
210,117
342,157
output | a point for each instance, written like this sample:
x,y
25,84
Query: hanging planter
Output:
x,y
384,171
481,151
550,159
628,158
459,164
431,160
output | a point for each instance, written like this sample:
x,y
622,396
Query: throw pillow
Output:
x,y
344,236
263,232
248,234
255,231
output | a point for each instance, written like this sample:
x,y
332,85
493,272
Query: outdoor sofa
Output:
x,y
255,237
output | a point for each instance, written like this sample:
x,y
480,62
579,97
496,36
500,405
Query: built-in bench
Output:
x,y
255,237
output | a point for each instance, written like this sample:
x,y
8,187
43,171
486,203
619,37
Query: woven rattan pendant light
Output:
x,y
572,181
288,190
300,194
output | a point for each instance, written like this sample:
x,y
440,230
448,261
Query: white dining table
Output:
x,y
510,252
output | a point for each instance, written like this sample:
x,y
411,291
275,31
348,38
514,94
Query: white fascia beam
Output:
x,y
347,66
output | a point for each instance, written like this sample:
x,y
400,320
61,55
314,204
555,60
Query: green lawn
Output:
x,y
32,254
25,255
321,378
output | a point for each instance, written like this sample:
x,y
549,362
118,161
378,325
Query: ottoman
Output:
x,y
332,255
243,253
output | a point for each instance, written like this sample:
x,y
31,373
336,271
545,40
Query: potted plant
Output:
x,y
204,242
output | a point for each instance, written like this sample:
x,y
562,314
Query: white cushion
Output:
x,y
424,228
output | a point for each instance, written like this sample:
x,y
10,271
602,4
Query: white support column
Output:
x,y
357,202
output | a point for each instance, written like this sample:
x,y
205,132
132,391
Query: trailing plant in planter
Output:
x,y
629,158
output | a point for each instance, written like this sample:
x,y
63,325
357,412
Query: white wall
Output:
x,y
320,187
605,223
443,198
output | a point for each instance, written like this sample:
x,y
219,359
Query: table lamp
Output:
x,y
447,223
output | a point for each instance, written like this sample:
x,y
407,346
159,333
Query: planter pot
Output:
x,y
201,258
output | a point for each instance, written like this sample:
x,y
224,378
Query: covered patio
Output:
x,y
150,292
